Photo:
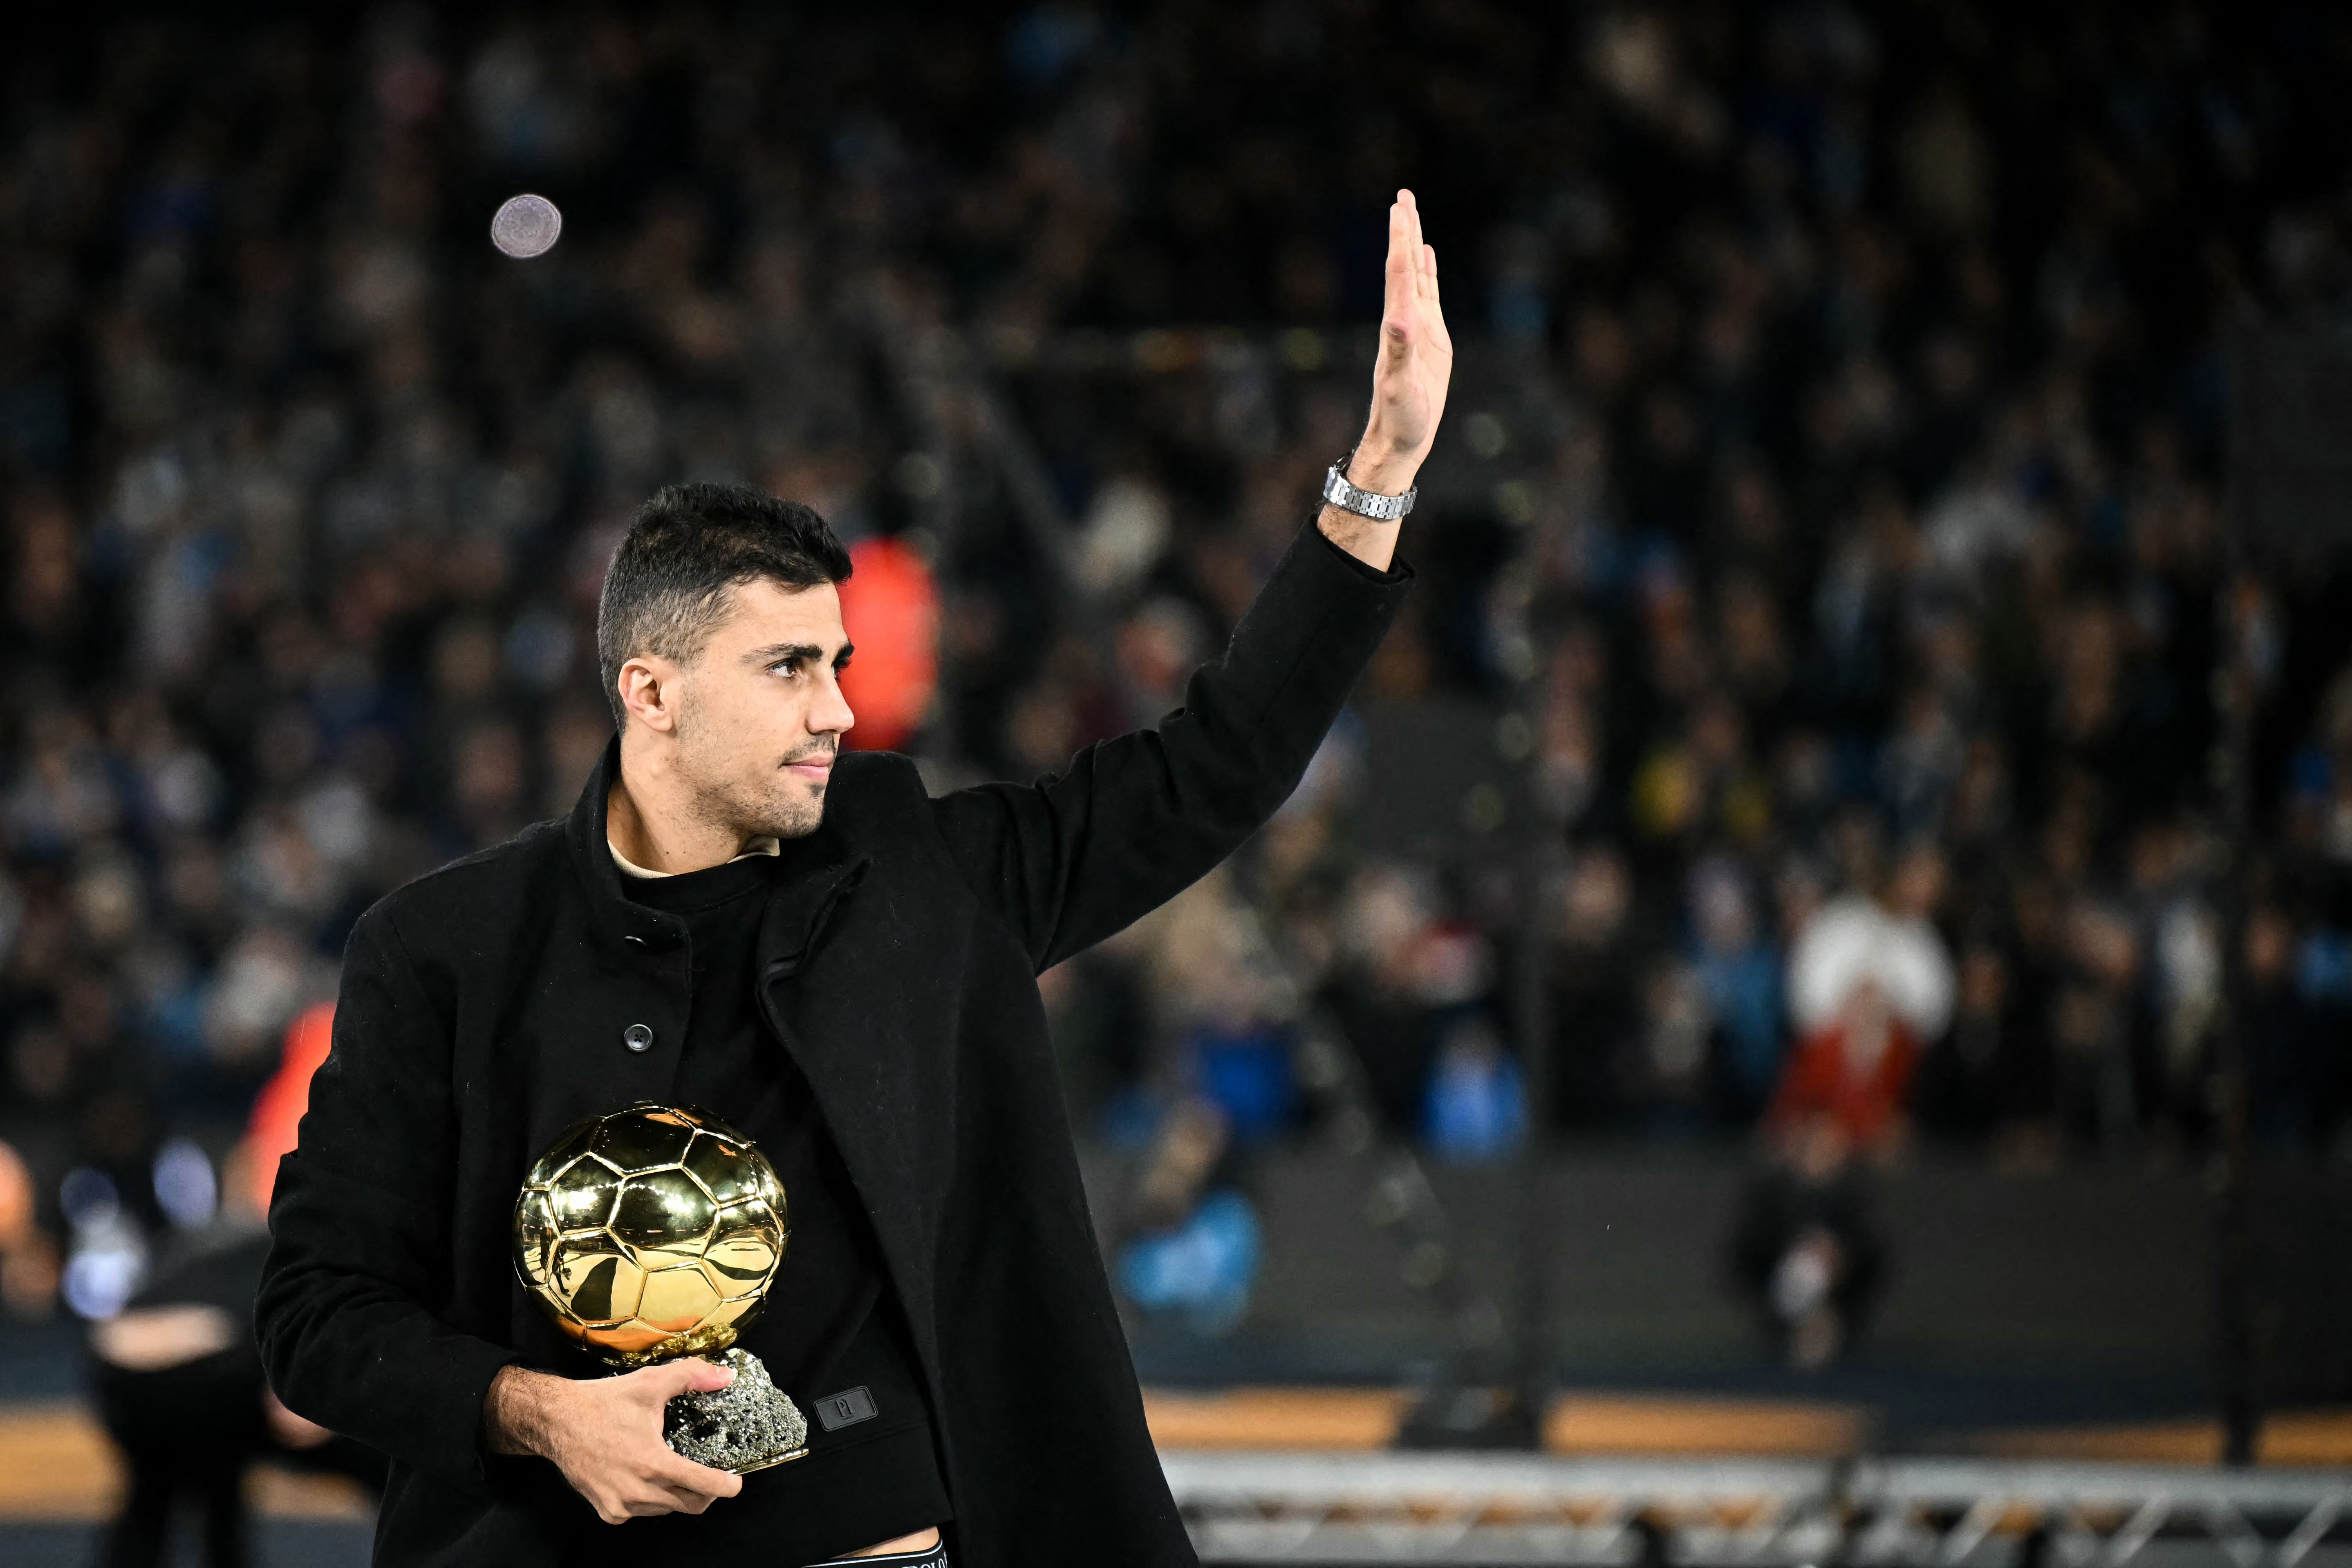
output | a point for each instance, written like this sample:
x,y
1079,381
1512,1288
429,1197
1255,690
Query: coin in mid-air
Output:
x,y
526,226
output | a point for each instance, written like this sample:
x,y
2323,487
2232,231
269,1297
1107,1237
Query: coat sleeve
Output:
x,y
359,1224
1072,859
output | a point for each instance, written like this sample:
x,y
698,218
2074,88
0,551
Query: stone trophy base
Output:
x,y
749,1425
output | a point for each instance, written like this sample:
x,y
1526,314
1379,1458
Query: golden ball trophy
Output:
x,y
654,1232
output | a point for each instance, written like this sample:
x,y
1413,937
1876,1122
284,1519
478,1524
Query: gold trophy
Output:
x,y
656,1232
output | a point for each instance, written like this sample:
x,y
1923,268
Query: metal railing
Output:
x,y
1495,1508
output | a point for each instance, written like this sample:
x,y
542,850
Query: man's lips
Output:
x,y
816,770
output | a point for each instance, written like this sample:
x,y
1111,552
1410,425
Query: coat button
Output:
x,y
637,1038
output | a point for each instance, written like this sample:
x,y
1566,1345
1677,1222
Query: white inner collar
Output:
x,y
631,868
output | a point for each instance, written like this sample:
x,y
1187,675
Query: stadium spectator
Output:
x,y
177,1377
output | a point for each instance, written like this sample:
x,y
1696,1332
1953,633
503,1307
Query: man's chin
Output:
x,y
799,818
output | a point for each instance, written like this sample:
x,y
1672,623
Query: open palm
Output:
x,y
1416,361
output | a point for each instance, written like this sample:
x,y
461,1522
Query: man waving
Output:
x,y
737,916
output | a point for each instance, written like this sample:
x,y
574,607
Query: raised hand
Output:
x,y
1416,362
1409,382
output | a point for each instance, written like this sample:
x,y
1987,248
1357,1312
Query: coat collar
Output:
x,y
822,868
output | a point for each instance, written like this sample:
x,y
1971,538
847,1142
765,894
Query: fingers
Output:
x,y
1411,311
678,1473
686,1375
650,1501
1404,236
660,1500
704,1377
1400,286
1418,251
663,1483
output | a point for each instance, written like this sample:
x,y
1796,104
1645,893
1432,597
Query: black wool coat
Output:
x,y
482,1011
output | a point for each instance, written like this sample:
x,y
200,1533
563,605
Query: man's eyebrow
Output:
x,y
777,653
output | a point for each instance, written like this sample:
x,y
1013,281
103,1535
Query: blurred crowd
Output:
x,y
1822,569
1830,526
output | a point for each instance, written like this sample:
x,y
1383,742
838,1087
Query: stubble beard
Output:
x,y
778,805
787,808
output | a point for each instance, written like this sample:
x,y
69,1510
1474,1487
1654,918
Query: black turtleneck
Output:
x,y
832,1323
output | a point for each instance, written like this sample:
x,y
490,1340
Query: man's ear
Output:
x,y
648,692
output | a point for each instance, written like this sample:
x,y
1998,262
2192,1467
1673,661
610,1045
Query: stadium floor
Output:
x,y
278,1543
57,1467
58,1480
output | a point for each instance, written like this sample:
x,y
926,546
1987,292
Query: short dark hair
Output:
x,y
673,576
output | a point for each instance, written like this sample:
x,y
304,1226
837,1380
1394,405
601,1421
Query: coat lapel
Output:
x,y
846,995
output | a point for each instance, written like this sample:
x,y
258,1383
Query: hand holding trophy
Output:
x,y
655,1232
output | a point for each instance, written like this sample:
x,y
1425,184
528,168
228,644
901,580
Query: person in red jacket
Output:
x,y
1806,1248
1855,1070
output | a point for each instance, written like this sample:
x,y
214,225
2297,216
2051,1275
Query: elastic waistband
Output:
x,y
930,1557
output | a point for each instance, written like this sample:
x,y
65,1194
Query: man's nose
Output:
x,y
831,715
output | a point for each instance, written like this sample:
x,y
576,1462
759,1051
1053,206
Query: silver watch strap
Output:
x,y
1365,503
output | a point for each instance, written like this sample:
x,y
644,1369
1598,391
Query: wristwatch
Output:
x,y
1364,503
